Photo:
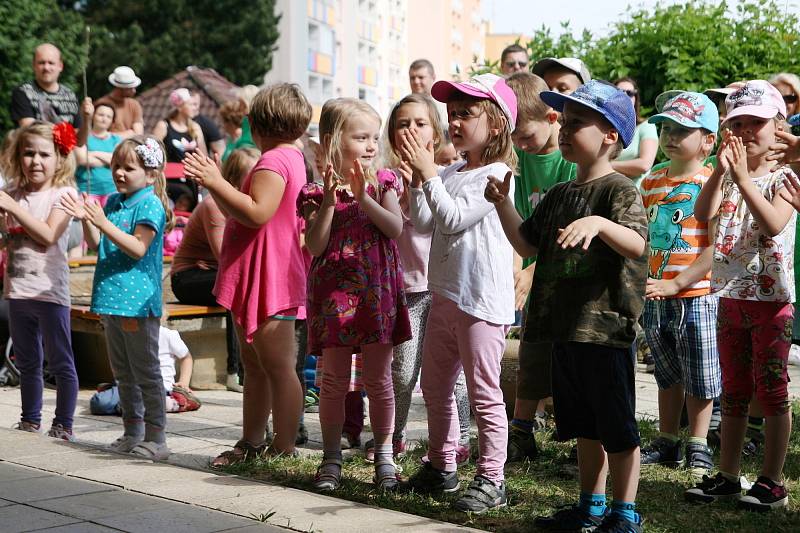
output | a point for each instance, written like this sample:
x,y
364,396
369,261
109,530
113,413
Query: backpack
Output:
x,y
106,400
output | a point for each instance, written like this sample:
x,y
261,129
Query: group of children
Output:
x,y
414,267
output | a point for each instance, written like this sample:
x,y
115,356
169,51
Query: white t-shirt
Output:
x,y
471,260
170,347
748,263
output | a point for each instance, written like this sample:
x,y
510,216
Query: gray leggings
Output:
x,y
406,365
133,354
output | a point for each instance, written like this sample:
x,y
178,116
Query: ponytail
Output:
x,y
160,189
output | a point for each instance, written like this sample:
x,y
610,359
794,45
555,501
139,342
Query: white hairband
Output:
x,y
151,153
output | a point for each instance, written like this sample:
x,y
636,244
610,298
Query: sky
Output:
x,y
523,16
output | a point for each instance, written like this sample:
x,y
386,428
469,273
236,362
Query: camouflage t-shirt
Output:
x,y
593,296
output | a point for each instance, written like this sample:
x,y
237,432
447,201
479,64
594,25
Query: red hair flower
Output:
x,y
64,137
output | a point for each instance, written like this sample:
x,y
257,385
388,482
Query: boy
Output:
x,y
680,314
562,75
587,298
541,166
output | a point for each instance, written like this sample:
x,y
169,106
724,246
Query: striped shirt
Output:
x,y
677,238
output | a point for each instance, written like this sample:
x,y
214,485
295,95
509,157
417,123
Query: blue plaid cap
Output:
x,y
601,96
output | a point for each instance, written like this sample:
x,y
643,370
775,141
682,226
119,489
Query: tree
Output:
x,y
26,24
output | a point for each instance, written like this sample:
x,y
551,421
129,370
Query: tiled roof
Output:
x,y
214,91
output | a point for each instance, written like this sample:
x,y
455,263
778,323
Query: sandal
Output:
x,y
242,451
125,443
328,478
157,451
386,479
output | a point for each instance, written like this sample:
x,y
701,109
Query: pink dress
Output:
x,y
261,270
355,289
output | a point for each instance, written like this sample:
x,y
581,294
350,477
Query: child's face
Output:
x,y
183,204
562,81
103,116
583,133
469,125
359,141
39,161
680,143
447,155
129,175
756,133
413,117
532,136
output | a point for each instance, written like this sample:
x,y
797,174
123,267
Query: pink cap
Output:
x,y
484,86
757,98
178,97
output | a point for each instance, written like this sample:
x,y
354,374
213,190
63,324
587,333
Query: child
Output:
x,y
416,112
261,277
36,282
752,274
541,166
680,313
586,298
126,291
472,281
562,75
355,293
447,155
171,348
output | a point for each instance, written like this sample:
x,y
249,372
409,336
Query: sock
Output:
x,y
669,437
383,460
755,423
698,440
594,504
734,478
541,414
626,510
522,425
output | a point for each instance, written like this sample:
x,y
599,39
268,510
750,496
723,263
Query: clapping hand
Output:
x,y
791,191
418,156
787,150
358,181
329,183
202,169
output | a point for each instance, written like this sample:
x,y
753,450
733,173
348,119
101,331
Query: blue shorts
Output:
x,y
682,335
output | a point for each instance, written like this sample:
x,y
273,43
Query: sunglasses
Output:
x,y
789,98
516,64
630,92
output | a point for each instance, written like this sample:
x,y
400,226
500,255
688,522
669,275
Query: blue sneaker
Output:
x,y
569,518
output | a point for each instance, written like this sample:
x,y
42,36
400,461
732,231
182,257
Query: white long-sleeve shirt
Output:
x,y
471,261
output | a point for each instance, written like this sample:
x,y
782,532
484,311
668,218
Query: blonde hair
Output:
x,y
126,152
6,151
527,87
789,79
333,121
499,148
238,164
280,111
65,164
426,101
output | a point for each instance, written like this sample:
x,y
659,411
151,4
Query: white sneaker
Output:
x,y
794,355
125,443
157,451
232,383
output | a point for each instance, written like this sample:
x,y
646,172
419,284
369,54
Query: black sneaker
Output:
x,y
615,523
482,495
714,488
699,457
663,452
428,479
570,518
521,446
764,495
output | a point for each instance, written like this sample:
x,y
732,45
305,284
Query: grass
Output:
x,y
537,488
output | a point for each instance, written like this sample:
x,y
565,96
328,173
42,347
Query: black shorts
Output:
x,y
533,377
594,395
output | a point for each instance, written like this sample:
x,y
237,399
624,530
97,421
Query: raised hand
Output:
x,y
786,150
358,181
202,169
738,160
94,212
87,109
791,191
329,183
72,205
420,158
496,191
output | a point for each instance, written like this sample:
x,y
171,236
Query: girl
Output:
x,y
261,277
416,112
126,291
36,273
355,294
752,274
472,281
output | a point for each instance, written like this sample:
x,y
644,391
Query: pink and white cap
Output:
x,y
484,86
756,98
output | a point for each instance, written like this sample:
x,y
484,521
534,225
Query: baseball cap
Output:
x,y
484,87
570,63
757,98
689,109
604,98
124,77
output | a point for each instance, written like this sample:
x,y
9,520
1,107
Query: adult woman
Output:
x,y
93,175
789,87
637,159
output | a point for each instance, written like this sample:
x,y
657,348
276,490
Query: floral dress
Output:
x,y
355,289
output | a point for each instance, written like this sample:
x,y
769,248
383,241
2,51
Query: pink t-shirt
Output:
x,y
414,248
207,223
33,271
261,270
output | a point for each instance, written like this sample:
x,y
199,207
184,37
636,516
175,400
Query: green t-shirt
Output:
x,y
537,174
244,141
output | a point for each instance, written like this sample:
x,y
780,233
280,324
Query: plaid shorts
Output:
x,y
682,335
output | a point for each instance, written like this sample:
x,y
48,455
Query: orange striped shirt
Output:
x,y
677,238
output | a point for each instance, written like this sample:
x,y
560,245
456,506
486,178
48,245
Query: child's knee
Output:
x,y
774,402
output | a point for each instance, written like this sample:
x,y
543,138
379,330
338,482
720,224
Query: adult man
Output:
x,y
127,111
513,59
44,98
421,76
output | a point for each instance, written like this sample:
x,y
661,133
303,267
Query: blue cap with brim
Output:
x,y
600,96
691,110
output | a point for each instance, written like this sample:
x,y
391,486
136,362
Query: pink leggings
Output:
x,y
753,339
377,376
